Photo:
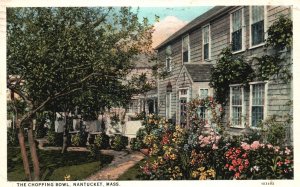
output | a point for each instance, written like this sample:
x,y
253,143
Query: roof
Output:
x,y
194,23
199,72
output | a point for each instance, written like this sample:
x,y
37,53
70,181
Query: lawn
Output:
x,y
54,165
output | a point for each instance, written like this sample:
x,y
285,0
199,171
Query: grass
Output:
x,y
54,165
133,172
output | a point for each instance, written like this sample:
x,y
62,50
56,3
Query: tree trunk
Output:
x,y
24,154
33,153
65,137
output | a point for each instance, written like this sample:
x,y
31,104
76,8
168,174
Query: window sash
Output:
x,y
185,48
168,105
185,57
257,32
257,13
203,93
236,40
257,115
237,20
236,105
168,64
257,108
202,113
236,115
206,51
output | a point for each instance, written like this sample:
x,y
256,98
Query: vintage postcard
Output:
x,y
173,93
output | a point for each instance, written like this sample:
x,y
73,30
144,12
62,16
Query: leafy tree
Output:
x,y
54,54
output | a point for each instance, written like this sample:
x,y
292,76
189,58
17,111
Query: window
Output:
x,y
257,25
203,93
257,103
168,106
236,105
206,41
237,23
185,49
168,64
183,99
202,113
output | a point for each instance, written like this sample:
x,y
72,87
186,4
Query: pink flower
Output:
x,y
269,146
231,168
237,175
218,138
279,163
276,148
200,137
287,151
214,147
245,146
287,161
255,145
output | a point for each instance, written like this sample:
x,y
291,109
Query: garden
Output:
x,y
205,152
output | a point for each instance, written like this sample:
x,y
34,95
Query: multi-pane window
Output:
x,y
236,105
203,93
257,107
168,106
168,64
257,25
185,49
237,30
206,40
183,96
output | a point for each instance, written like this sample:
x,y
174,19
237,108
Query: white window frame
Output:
x,y
209,42
183,96
250,27
189,49
265,101
170,64
169,107
243,106
243,29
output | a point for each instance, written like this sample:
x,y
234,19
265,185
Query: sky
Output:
x,y
171,19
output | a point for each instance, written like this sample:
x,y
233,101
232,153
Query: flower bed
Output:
x,y
203,153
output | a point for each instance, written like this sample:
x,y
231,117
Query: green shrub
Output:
x,y
102,141
94,150
79,139
119,142
55,139
12,137
137,143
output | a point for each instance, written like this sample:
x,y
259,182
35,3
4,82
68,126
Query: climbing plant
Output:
x,y
280,37
230,69
280,33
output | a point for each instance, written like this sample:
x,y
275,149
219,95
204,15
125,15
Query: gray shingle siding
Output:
x,y
279,93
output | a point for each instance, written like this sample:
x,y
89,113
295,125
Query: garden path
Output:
x,y
123,160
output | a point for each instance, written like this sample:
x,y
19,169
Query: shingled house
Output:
x,y
190,53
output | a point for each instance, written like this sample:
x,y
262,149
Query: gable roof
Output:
x,y
217,10
199,72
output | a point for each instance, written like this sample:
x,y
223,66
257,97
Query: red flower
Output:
x,y
244,155
237,175
231,168
227,165
234,163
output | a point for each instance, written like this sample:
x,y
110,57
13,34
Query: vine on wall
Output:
x,y
233,69
230,69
